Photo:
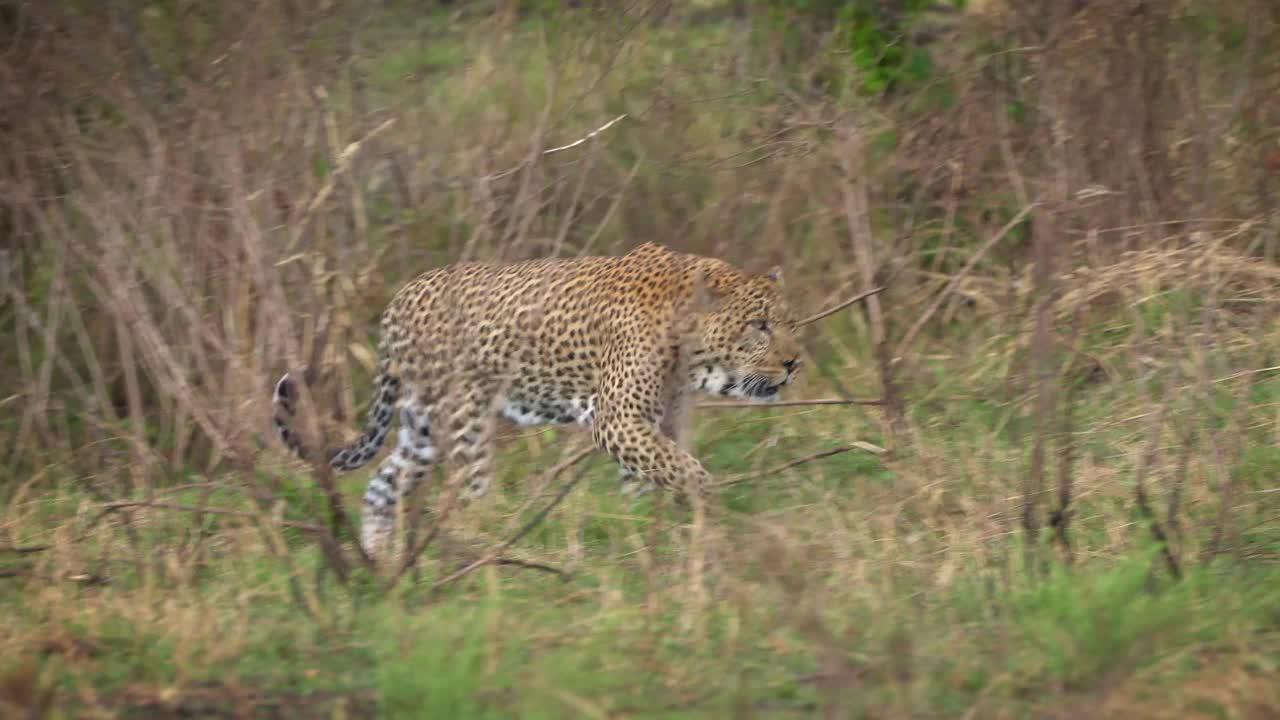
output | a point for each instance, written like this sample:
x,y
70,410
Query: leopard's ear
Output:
x,y
775,275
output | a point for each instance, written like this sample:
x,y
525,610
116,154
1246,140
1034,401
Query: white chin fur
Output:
x,y
713,380
717,381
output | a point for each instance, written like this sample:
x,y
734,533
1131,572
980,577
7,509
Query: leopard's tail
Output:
x,y
361,450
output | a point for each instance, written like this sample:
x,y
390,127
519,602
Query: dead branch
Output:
x,y
1150,453
586,137
494,555
854,192
868,447
527,565
522,213
1140,493
1042,363
341,166
525,163
1060,517
950,287
786,403
447,502
78,578
1179,482
1205,347
837,308
25,550
158,505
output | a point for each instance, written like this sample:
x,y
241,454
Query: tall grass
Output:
x,y
1065,505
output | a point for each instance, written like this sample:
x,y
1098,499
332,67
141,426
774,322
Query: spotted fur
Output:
x,y
616,344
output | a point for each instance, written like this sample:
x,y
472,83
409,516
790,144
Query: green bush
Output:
x,y
874,35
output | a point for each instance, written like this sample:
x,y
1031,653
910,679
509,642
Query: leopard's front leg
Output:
x,y
628,422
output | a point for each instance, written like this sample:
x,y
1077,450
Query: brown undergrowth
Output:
x,y
1041,478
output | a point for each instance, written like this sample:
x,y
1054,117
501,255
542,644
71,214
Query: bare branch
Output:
x,y
494,555
1148,459
78,578
786,403
586,137
25,550
1060,517
117,506
837,308
866,446
531,566
524,163
343,163
910,337
857,218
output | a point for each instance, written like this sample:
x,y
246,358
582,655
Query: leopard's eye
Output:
x,y
761,325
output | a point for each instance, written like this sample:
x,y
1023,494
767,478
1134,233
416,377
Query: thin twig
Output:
x,y
837,308
116,506
949,223
524,163
449,500
1179,482
79,578
25,549
496,554
1060,517
907,339
1150,453
1141,500
517,226
1246,373
786,403
586,137
868,447
341,166
531,566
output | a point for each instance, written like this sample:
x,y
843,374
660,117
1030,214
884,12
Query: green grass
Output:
x,y
509,645
868,585
880,585
874,580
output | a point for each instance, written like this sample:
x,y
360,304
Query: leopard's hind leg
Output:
x,y
397,476
471,422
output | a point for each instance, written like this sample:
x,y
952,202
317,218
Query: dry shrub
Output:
x,y
196,202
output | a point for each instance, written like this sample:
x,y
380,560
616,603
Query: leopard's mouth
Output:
x,y
769,393
755,387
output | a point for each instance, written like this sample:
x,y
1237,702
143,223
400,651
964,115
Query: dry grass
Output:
x,y
195,201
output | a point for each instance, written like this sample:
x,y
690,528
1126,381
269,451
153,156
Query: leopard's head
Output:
x,y
748,347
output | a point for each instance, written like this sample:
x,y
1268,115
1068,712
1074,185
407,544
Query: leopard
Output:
x,y
619,344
